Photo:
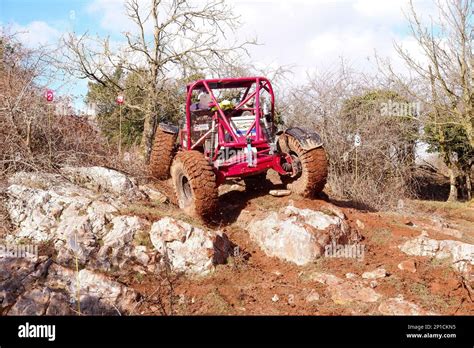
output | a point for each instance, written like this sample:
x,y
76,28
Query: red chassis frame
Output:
x,y
236,168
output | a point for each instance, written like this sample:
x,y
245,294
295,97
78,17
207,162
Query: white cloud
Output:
x,y
313,35
384,10
354,45
114,18
36,33
304,34
112,13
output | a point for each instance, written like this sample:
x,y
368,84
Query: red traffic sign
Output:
x,y
120,99
49,95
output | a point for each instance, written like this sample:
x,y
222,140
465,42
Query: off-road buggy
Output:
x,y
231,139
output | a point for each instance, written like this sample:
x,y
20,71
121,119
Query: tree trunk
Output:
x,y
28,135
468,185
453,190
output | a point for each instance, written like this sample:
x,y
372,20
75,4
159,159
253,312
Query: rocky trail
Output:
x,y
109,246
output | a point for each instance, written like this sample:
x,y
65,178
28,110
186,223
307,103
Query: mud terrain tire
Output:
x,y
314,169
194,183
162,154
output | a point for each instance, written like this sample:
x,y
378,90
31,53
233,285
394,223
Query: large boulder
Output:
x,y
189,249
300,235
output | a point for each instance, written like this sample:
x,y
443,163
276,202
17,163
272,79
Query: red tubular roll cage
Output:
x,y
265,159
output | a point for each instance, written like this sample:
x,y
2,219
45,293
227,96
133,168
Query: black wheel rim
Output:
x,y
296,166
185,190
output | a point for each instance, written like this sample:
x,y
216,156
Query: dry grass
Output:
x,y
381,236
143,238
148,211
428,300
218,304
5,223
452,210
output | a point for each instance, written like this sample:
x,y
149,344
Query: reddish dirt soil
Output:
x,y
252,283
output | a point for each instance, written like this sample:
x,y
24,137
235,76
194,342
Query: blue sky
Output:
x,y
308,35
25,11
60,15
45,21
76,16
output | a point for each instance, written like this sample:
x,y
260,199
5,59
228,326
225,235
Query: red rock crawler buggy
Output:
x,y
235,138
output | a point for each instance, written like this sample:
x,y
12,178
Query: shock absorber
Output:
x,y
212,140
250,160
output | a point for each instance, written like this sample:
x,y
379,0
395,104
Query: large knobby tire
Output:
x,y
194,182
313,168
162,154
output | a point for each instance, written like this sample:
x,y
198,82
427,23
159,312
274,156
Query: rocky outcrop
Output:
x,y
41,287
399,306
355,292
43,206
80,223
84,221
186,248
300,235
15,275
375,274
80,217
461,254
102,179
344,292
32,302
118,244
153,194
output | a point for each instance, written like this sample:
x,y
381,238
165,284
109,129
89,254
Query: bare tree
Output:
x,y
35,134
446,78
21,105
171,39
339,103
